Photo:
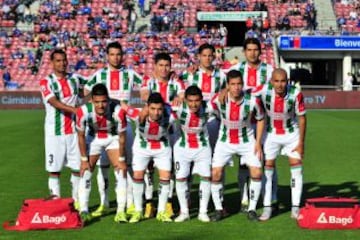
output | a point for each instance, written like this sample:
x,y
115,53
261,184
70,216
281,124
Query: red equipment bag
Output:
x,y
330,213
53,213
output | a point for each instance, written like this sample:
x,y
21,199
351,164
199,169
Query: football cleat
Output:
x,y
130,210
136,217
100,211
203,217
182,217
163,217
85,217
266,214
120,217
252,216
169,209
295,212
149,210
219,215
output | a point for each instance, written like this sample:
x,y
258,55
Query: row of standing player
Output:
x,y
60,103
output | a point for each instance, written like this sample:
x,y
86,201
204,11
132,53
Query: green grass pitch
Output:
x,y
331,168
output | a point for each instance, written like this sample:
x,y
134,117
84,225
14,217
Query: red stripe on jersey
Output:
x,y
65,88
163,90
154,128
251,77
122,118
101,123
206,83
44,88
79,116
300,100
192,139
114,80
145,81
279,108
234,116
133,112
68,123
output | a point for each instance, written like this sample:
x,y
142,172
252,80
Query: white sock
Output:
x,y
216,193
84,191
138,191
204,195
164,187
74,180
268,186
129,194
255,188
103,185
171,188
120,190
149,187
182,192
296,184
54,185
243,176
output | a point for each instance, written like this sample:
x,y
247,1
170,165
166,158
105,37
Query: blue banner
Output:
x,y
319,43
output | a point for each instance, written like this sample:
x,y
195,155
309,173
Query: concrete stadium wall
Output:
x,y
314,99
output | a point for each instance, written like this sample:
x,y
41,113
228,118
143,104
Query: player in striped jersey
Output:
x,y
283,104
106,123
236,136
254,73
172,91
210,80
193,147
119,81
152,142
60,92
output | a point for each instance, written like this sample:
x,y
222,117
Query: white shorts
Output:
x,y
224,151
62,151
103,160
201,157
98,145
286,143
142,157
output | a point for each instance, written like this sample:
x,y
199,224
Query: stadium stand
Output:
x,y
83,30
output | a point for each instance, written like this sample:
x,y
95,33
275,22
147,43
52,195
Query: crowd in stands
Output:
x,y
83,28
348,16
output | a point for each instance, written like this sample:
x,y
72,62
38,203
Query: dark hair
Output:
x,y
155,97
116,45
193,91
99,90
206,46
57,51
162,56
233,74
252,41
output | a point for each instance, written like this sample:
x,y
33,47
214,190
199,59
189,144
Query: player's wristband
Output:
x,y
84,159
121,159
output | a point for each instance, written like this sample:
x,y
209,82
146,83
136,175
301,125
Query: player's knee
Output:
x,y
216,175
255,173
138,175
54,174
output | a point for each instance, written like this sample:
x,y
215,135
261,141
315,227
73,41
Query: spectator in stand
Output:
x,y
204,31
341,21
265,24
141,4
242,4
257,6
249,23
286,22
353,15
18,54
6,78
